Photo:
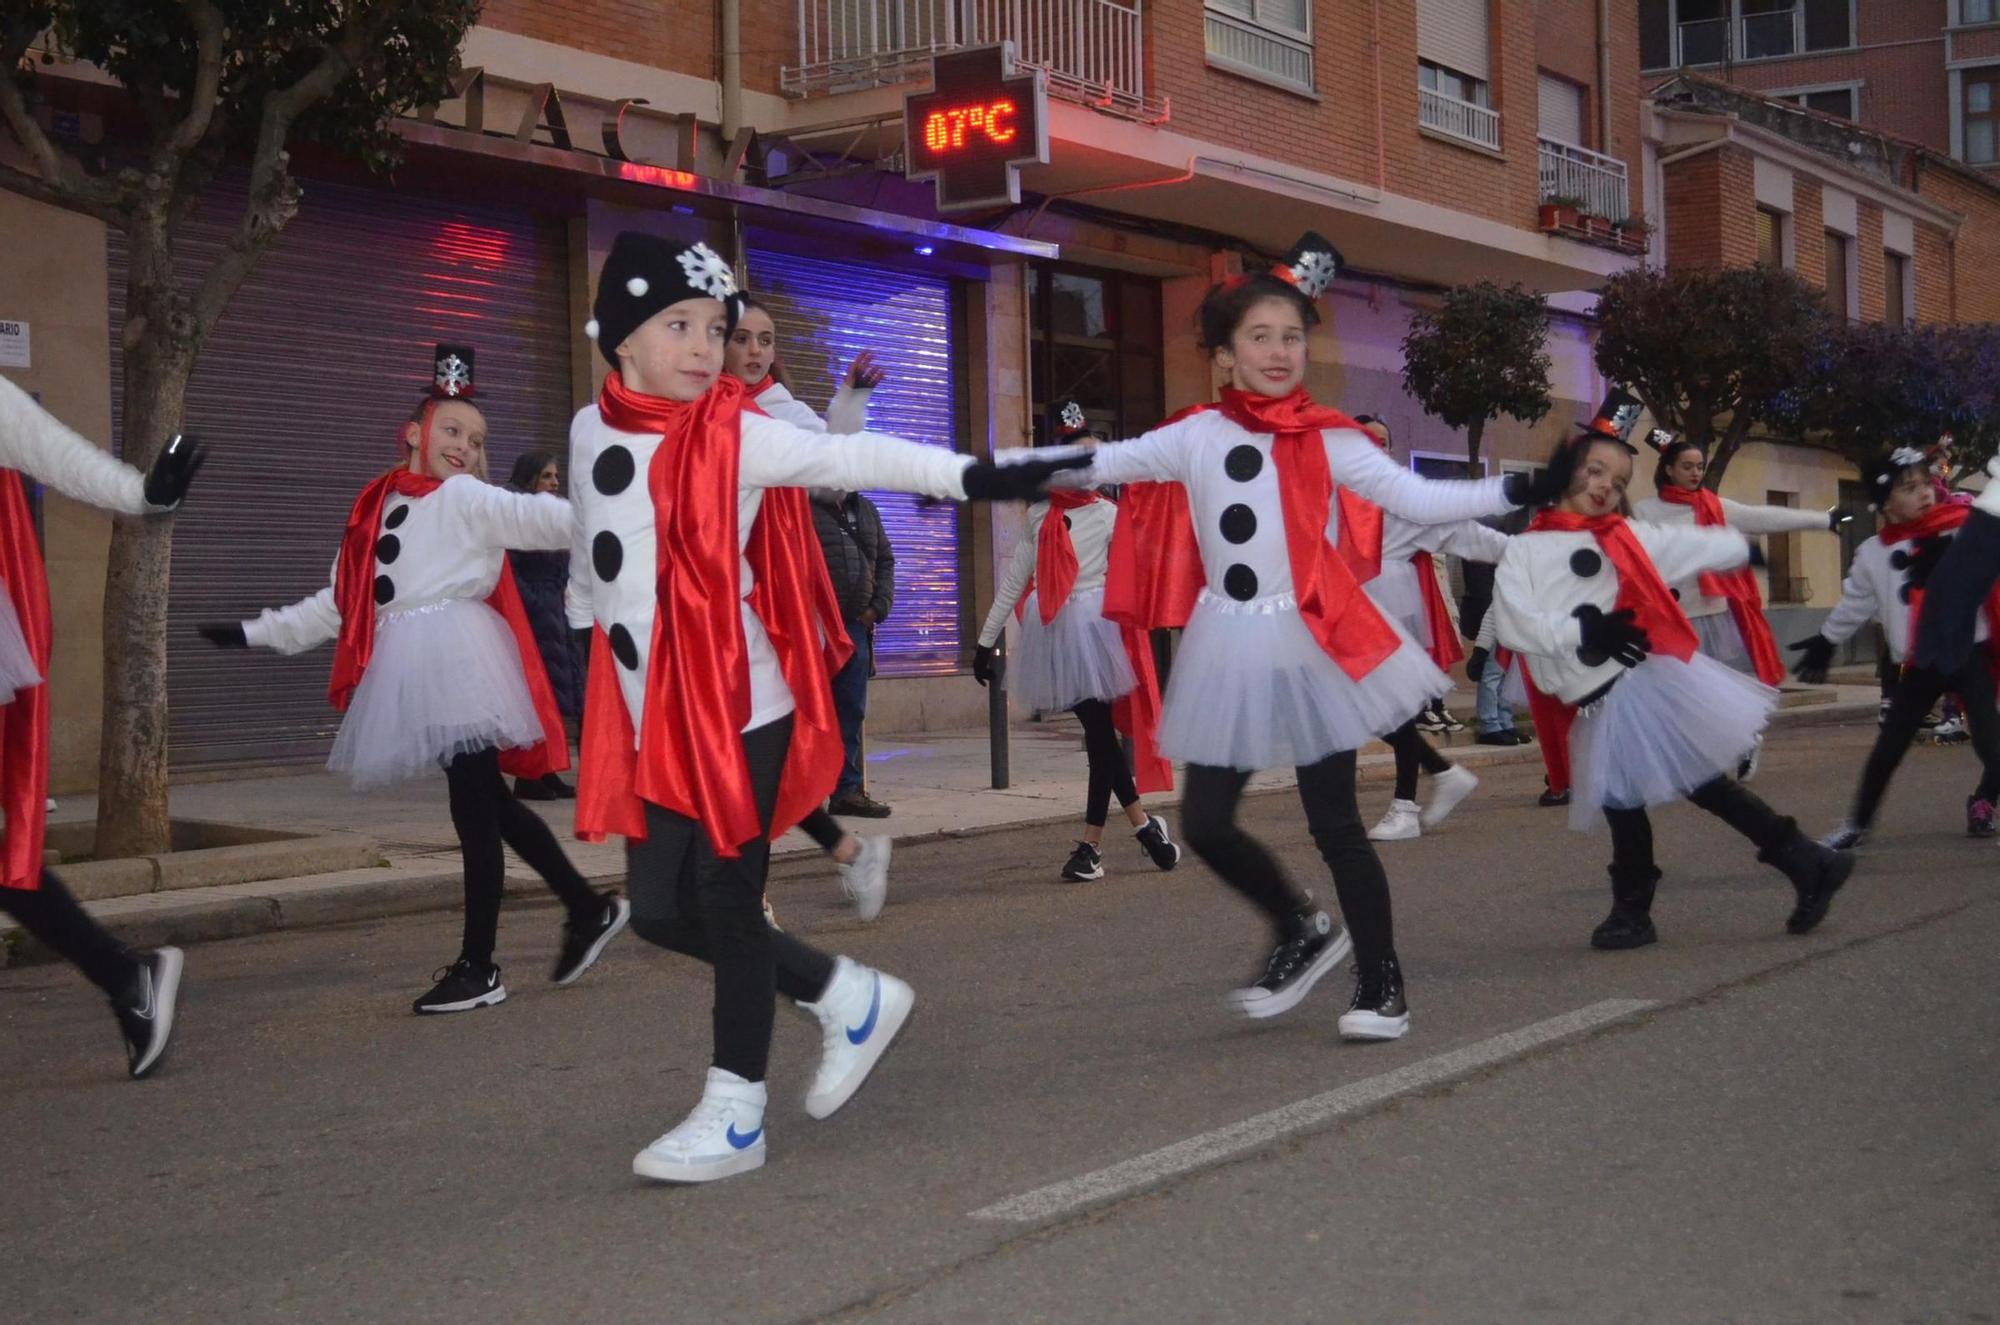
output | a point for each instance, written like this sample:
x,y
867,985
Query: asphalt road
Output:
x,y
1734,1125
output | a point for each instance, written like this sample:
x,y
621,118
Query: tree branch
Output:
x,y
64,181
206,95
15,180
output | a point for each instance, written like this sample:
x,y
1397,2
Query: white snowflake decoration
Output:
x,y
707,272
1072,416
1624,417
1904,456
1313,273
453,377
1660,439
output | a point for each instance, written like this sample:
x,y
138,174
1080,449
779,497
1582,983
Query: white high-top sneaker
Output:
x,y
1399,824
866,881
859,1015
1447,790
724,1135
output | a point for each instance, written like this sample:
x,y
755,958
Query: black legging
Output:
x,y
1725,798
486,815
1413,752
823,829
1326,790
51,914
1109,772
1916,692
688,899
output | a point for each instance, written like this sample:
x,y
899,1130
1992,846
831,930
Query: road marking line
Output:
x,y
1210,1148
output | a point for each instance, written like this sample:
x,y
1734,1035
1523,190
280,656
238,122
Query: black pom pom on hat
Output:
x,y
646,273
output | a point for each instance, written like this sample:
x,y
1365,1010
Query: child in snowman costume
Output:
x,y
435,665
1583,598
709,723
143,988
1072,658
1246,521
1892,581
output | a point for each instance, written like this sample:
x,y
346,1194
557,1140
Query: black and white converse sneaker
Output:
x,y
1313,946
463,986
583,943
1085,864
1159,843
1378,1011
146,1012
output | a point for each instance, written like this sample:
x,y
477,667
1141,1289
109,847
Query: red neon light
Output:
x,y
947,130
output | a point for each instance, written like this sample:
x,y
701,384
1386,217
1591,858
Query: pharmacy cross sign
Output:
x,y
979,124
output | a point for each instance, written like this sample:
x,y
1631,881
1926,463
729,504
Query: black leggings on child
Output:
x,y
688,899
51,914
486,815
824,830
1413,752
1725,798
1916,692
1109,773
1326,790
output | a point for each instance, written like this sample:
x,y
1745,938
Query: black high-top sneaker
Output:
x,y
1086,864
1816,873
1378,1011
1312,946
1630,924
1159,843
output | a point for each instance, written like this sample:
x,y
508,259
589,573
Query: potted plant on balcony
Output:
x,y
1629,234
1562,211
1600,227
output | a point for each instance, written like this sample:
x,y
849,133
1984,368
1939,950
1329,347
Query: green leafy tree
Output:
x,y
1712,353
209,82
1480,354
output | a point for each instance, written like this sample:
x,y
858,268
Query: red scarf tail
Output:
x,y
1137,714
1738,587
551,754
24,721
606,802
811,643
1445,649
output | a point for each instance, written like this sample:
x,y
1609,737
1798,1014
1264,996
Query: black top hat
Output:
x,y
1615,418
451,372
644,274
1311,265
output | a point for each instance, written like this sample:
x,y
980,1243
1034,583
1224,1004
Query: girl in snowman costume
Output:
x,y
752,359
435,665
1246,522
1072,658
1583,598
709,723
1890,583
143,988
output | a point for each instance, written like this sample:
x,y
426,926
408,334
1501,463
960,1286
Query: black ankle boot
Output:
x,y
1816,873
1630,924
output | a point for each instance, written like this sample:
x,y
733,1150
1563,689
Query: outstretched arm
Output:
x,y
303,625
777,454
1681,552
1020,571
497,517
1358,464
35,442
1772,519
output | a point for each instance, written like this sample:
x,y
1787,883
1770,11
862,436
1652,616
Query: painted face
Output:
x,y
677,352
753,347
457,441
549,480
1600,482
1687,468
1267,352
1910,497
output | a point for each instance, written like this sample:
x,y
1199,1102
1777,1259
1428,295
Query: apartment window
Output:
x,y
1781,553
1770,237
1454,58
1976,11
1896,291
1696,32
1269,40
1560,111
1981,107
1839,101
1837,269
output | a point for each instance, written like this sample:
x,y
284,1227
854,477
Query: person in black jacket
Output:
x,y
863,567
541,577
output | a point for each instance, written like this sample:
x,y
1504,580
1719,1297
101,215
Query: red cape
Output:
x,y
24,722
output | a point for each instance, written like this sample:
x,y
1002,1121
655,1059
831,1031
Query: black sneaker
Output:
x,y
1449,719
1085,864
1552,799
463,986
1378,1011
534,789
146,1012
1314,946
1624,928
1159,844
858,805
1430,724
1506,737
583,943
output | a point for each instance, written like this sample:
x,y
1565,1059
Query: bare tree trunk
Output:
x,y
1726,447
1473,432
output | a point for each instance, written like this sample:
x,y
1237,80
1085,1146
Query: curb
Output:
x,y
226,911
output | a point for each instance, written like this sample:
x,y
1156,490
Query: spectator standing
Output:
x,y
863,567
541,578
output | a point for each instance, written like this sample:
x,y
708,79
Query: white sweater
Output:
x,y
1399,591
1743,519
35,442
847,413
1873,591
1090,529
1545,576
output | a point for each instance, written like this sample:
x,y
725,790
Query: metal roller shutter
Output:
x,y
1559,110
827,312
1453,33
300,393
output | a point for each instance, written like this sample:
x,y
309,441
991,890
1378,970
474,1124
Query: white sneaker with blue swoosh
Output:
x,y
860,1014
724,1135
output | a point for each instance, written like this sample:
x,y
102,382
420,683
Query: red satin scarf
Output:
x,y
1056,567
24,721
690,758
1641,591
1738,587
1937,521
1446,650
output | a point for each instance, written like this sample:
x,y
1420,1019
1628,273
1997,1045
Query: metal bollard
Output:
x,y
996,717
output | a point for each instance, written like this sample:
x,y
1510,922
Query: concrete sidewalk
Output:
x,y
939,784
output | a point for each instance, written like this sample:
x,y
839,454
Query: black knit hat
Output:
x,y
1881,473
644,274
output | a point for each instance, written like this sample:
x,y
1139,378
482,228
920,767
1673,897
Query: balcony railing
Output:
x,y
1092,50
1597,181
1460,119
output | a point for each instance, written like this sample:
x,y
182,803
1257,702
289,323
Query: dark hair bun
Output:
x,y
1222,311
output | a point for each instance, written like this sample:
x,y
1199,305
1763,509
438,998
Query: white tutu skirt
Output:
x,y
1077,656
17,665
1252,689
1717,636
444,679
1664,729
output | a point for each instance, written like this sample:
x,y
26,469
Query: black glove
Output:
x,y
1757,557
1835,517
1021,481
982,664
179,461
1543,488
224,634
1475,664
1922,561
1611,637
1817,656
